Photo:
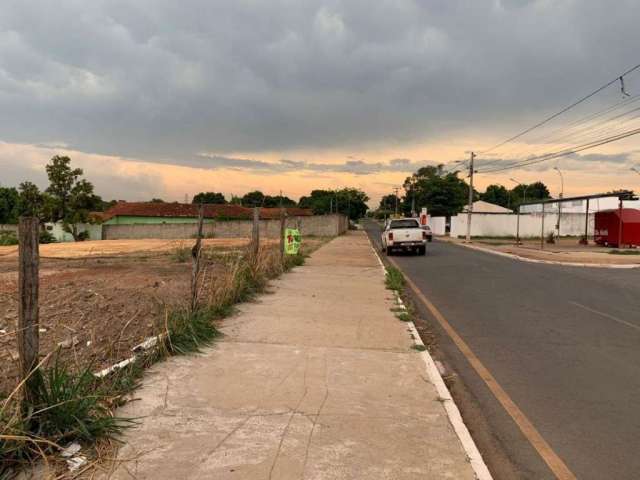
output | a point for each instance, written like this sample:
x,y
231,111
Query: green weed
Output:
x,y
624,252
394,279
189,331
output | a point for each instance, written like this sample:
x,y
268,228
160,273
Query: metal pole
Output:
x,y
560,203
395,194
470,204
518,227
620,224
586,225
542,232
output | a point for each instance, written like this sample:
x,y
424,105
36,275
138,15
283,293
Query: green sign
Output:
x,y
292,241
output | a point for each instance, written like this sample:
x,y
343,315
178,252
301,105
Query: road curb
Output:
x,y
547,262
453,413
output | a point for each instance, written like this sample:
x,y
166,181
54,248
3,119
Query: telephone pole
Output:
x,y
470,205
395,193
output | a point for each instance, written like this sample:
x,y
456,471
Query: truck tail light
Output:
x,y
391,236
424,235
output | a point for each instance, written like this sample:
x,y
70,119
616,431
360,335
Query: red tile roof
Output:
x,y
151,209
291,212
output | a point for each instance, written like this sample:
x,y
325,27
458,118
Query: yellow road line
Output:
x,y
557,466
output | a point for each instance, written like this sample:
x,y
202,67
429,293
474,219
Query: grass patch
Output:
x,y
405,317
66,405
8,238
188,332
181,254
419,348
624,252
394,279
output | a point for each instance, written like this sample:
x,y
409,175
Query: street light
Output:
x,y
524,186
560,203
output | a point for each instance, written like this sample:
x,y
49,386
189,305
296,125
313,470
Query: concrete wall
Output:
x,y
487,225
318,225
8,228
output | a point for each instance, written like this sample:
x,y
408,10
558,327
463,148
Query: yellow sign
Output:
x,y
292,241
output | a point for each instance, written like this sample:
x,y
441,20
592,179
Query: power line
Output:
x,y
555,115
563,153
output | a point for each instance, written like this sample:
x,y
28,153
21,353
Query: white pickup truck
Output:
x,y
404,234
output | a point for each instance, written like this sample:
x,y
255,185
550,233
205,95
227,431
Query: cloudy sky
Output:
x,y
167,98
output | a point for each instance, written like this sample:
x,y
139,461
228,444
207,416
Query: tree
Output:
x,y
72,198
348,201
157,200
8,205
534,191
32,202
498,195
253,199
388,203
320,202
443,195
235,200
210,198
277,200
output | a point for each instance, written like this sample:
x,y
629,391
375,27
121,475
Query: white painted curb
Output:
x,y
473,454
547,262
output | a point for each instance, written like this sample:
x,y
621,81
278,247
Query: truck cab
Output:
x,y
404,234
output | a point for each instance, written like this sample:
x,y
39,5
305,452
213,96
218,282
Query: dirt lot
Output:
x,y
98,299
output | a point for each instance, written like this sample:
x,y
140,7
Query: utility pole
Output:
x,y
560,203
395,193
470,205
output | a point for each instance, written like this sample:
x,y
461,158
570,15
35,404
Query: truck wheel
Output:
x,y
422,250
389,251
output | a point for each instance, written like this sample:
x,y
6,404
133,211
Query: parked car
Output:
x,y
404,234
427,229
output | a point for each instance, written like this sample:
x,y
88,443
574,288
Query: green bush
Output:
x,y
47,237
8,238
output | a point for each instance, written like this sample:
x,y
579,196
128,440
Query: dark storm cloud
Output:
x,y
355,167
163,80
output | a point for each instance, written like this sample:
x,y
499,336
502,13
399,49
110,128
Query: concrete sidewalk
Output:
x,y
315,381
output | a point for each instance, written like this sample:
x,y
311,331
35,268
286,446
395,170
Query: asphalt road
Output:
x,y
563,342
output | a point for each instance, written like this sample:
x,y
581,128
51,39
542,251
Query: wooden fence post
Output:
x,y
195,260
282,229
255,232
28,283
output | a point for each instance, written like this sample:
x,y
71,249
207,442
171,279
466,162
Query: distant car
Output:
x,y
404,234
427,229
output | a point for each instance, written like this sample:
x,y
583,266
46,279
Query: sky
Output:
x,y
159,98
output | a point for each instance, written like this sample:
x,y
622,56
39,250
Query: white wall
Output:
x,y
95,231
487,225
595,205
437,225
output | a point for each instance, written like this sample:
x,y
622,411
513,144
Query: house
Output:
x,y
485,207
